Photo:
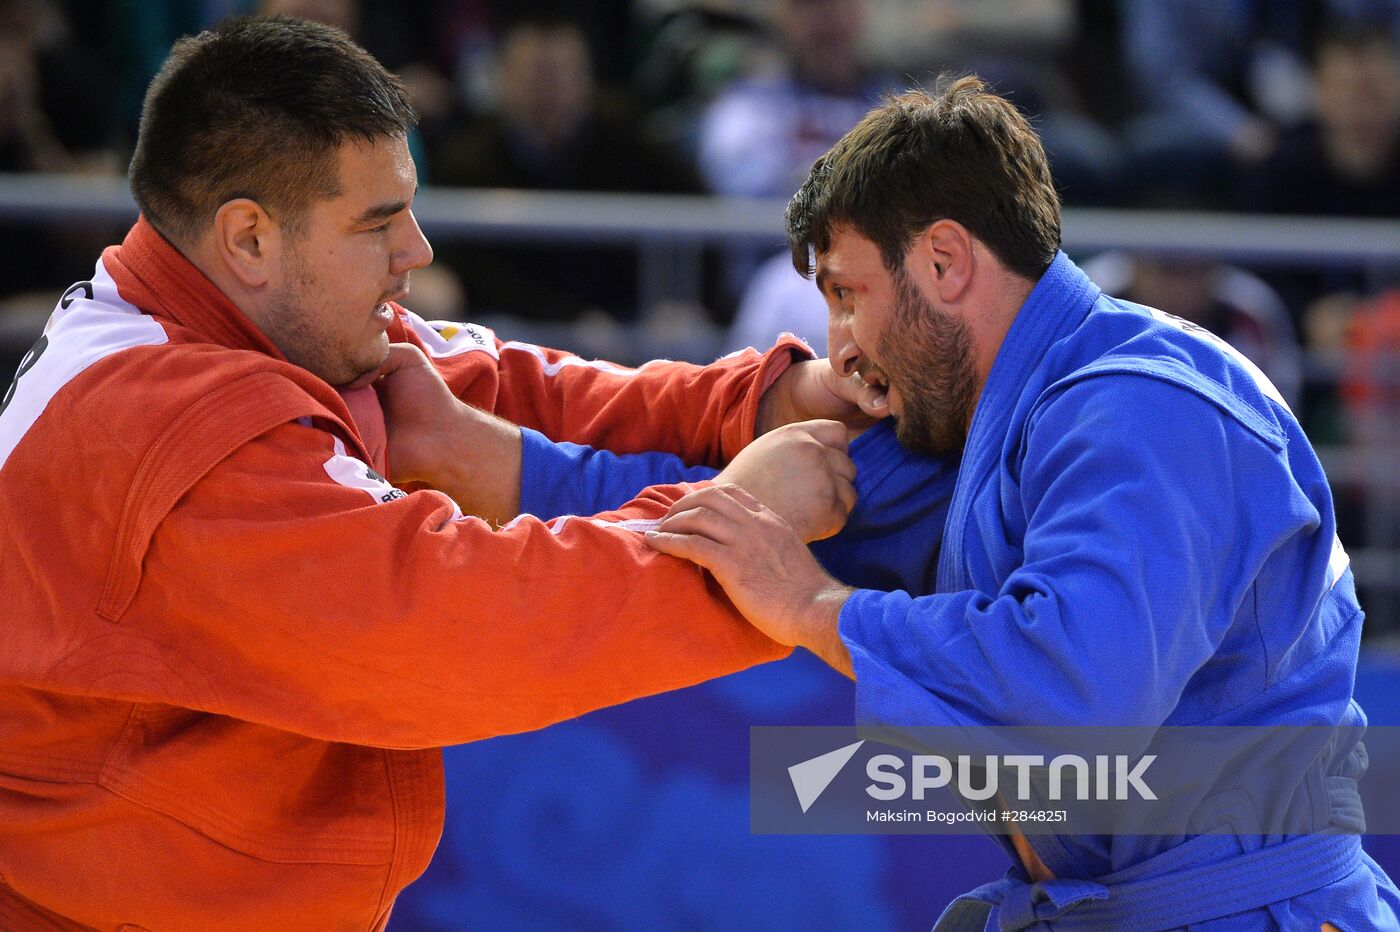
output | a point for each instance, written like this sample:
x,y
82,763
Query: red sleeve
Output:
x,y
295,588
704,414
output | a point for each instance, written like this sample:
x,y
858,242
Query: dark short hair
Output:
x,y
257,108
961,154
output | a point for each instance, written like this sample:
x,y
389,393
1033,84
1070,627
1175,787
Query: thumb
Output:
x,y
871,400
874,403
402,356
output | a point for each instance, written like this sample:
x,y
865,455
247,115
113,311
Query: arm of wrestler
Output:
x,y
1131,551
764,566
304,593
490,466
703,414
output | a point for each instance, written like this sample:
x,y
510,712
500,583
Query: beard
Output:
x,y
927,358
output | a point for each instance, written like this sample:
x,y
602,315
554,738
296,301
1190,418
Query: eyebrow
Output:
x,y
382,211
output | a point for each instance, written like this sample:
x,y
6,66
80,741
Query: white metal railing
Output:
x,y
669,230
640,218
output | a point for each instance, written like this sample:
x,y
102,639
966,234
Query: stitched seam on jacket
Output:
x,y
205,434
272,847
396,853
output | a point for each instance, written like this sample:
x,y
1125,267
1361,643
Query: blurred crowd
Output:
x,y
1277,107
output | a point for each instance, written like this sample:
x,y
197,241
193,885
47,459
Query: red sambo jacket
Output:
x,y
231,649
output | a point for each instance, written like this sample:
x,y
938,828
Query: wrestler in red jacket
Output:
x,y
232,649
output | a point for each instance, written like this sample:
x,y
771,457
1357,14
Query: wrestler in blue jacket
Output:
x,y
1063,572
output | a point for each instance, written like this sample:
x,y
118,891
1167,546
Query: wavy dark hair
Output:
x,y
962,153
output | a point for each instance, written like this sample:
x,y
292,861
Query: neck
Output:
x,y
1001,310
1007,292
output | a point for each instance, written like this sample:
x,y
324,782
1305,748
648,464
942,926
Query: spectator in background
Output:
x,y
761,135
468,35
1370,386
1346,161
1020,47
50,119
1228,301
1215,78
926,34
1366,417
690,51
551,131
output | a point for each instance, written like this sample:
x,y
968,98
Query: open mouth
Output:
x,y
873,377
384,311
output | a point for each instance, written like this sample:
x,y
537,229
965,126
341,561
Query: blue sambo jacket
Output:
x,y
1137,533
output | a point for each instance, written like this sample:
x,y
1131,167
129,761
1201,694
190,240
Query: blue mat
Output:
x,y
637,817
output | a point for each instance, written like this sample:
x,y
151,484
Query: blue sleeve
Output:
x,y
1141,540
570,479
889,542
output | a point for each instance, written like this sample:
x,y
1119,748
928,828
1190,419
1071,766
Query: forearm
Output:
x,y
419,627
776,406
703,414
824,638
481,466
812,390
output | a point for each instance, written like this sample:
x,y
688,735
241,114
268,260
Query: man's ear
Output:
x,y
946,248
248,241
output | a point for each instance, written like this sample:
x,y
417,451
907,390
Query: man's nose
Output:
x,y
842,350
415,252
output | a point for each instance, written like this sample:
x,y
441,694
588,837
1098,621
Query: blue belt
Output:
x,y
1204,878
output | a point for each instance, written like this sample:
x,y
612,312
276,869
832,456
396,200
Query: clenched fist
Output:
x,y
800,472
434,438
